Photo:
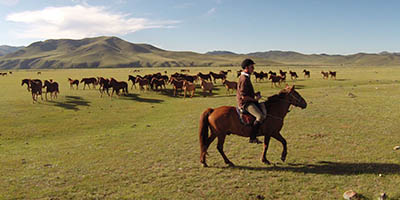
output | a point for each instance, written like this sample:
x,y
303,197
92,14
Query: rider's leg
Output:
x,y
256,112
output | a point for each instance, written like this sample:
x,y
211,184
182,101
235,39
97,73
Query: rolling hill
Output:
x,y
5,49
109,52
290,57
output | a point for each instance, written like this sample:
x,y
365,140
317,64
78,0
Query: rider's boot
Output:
x,y
254,131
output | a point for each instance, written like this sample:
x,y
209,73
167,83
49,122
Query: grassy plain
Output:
x,y
145,145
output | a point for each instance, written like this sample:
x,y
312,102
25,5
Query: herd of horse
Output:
x,y
181,82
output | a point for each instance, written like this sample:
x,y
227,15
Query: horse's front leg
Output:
x,y
280,138
264,154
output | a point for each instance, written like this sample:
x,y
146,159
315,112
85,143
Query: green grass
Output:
x,y
145,145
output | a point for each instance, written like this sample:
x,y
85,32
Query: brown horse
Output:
x,y
133,79
333,74
306,73
206,86
36,89
117,86
230,85
52,88
72,83
176,84
143,82
104,86
217,76
293,75
224,120
275,79
26,81
88,81
188,87
325,75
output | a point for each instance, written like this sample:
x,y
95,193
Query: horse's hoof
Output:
x,y
266,162
230,164
283,159
204,164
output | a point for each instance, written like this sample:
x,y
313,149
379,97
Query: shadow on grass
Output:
x,y
71,103
332,168
342,79
135,97
179,94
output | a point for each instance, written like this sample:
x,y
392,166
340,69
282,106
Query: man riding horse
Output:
x,y
248,99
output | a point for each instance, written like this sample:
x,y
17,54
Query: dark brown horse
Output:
x,y
206,77
52,88
155,83
293,75
177,85
36,89
88,81
118,85
333,74
72,83
306,73
224,120
104,86
133,79
275,79
218,76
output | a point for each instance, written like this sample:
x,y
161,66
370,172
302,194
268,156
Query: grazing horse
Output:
x,y
293,75
217,76
88,81
206,86
306,73
39,73
176,84
224,120
325,75
230,85
117,86
26,81
133,79
206,77
3,74
275,79
36,89
72,83
188,87
52,88
333,74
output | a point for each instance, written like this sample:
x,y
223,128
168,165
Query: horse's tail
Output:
x,y
203,129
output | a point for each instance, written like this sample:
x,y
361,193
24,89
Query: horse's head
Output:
x,y
294,97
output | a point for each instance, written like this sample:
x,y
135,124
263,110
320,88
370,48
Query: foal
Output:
x,y
72,83
188,87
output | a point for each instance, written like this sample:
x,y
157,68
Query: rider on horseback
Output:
x,y
248,99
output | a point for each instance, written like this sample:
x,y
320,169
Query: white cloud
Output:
x,y
211,11
9,2
80,21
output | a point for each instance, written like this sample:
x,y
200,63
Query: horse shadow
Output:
x,y
135,97
71,103
342,79
332,168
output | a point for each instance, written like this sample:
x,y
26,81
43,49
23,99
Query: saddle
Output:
x,y
245,117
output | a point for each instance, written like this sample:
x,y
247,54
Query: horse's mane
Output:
x,y
276,97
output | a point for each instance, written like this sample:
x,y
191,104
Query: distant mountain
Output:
x,y
221,53
109,52
5,49
290,57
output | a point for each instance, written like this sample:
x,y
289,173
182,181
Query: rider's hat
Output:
x,y
247,62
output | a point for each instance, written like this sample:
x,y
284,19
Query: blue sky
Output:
x,y
333,27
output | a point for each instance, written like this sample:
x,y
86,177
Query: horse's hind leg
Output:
x,y
220,147
280,138
203,154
